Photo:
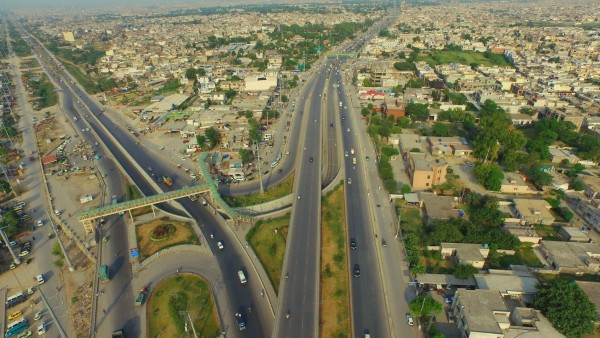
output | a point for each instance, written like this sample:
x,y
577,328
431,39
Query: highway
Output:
x,y
298,294
132,157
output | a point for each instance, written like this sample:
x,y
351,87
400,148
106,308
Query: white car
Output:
x,y
220,245
41,329
40,279
193,176
409,319
40,222
38,315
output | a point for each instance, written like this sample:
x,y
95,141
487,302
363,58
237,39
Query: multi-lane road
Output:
x,y
316,143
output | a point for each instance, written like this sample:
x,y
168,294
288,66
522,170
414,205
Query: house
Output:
x,y
514,184
573,234
465,253
425,172
524,234
260,82
411,142
533,211
486,313
572,257
438,208
462,150
517,284
559,155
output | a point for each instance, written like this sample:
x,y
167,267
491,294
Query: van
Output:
x,y
242,277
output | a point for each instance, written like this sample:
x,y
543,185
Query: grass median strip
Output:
x,y
178,300
335,296
268,241
280,190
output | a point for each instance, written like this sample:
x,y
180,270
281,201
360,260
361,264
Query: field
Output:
x,y
29,63
464,57
83,80
412,222
173,299
184,234
268,241
335,296
280,190
524,255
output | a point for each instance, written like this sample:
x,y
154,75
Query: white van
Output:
x,y
242,277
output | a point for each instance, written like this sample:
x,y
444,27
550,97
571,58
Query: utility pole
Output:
x,y
60,243
399,222
262,191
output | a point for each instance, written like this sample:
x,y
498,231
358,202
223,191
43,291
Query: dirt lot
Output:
x,y
183,235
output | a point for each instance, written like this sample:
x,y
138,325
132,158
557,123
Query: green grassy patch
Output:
x,y
44,91
268,239
434,263
87,83
175,301
280,190
524,255
465,58
335,295
412,222
30,63
545,277
132,193
548,232
169,87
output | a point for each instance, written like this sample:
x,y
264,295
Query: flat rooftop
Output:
x,y
481,309
439,207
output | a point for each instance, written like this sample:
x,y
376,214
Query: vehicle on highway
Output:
x,y
346,153
352,151
352,243
349,180
242,277
220,245
103,274
367,158
240,321
409,319
383,242
118,334
141,298
356,270
310,159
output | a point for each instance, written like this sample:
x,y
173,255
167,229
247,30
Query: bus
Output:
x,y
16,327
15,299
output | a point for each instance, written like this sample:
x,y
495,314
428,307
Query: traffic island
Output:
x,y
268,240
163,233
334,295
182,302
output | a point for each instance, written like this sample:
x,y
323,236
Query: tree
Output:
x,y
405,66
484,209
538,177
464,271
424,305
246,155
489,175
10,223
213,137
577,185
201,140
367,82
567,307
190,74
444,232
406,189
417,111
417,269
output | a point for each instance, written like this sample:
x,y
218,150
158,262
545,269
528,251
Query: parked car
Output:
x,y
409,319
14,315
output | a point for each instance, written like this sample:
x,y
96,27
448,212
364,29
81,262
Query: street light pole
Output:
x,y
262,191
399,222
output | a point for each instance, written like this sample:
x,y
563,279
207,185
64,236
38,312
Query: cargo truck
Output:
x,y
141,296
103,274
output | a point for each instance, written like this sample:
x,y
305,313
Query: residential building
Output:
x,y
514,184
486,314
465,253
439,208
572,257
517,284
533,211
573,234
425,172
260,82
558,155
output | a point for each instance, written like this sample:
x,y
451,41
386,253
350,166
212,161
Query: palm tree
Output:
x,y
416,270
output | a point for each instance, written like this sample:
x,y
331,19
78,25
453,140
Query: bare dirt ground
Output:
x,y
183,235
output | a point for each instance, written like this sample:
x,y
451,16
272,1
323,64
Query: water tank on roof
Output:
x,y
485,245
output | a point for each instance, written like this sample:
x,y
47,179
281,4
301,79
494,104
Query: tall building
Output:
x,y
424,172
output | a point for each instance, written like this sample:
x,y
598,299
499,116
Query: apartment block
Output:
x,y
424,172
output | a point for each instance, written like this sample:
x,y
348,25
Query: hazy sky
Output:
x,y
121,3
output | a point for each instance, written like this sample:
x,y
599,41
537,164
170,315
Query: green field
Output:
x,y
83,80
465,58
176,300
280,190
268,241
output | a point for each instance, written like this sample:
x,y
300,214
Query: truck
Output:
x,y
168,181
113,200
103,274
141,296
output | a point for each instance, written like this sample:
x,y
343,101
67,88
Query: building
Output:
x,y
166,104
486,314
411,142
514,184
439,208
559,155
425,172
533,211
465,253
260,82
573,234
572,257
68,36
524,234
515,284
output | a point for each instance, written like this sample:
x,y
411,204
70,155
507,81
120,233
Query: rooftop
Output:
x,y
439,207
529,208
507,283
480,310
572,254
